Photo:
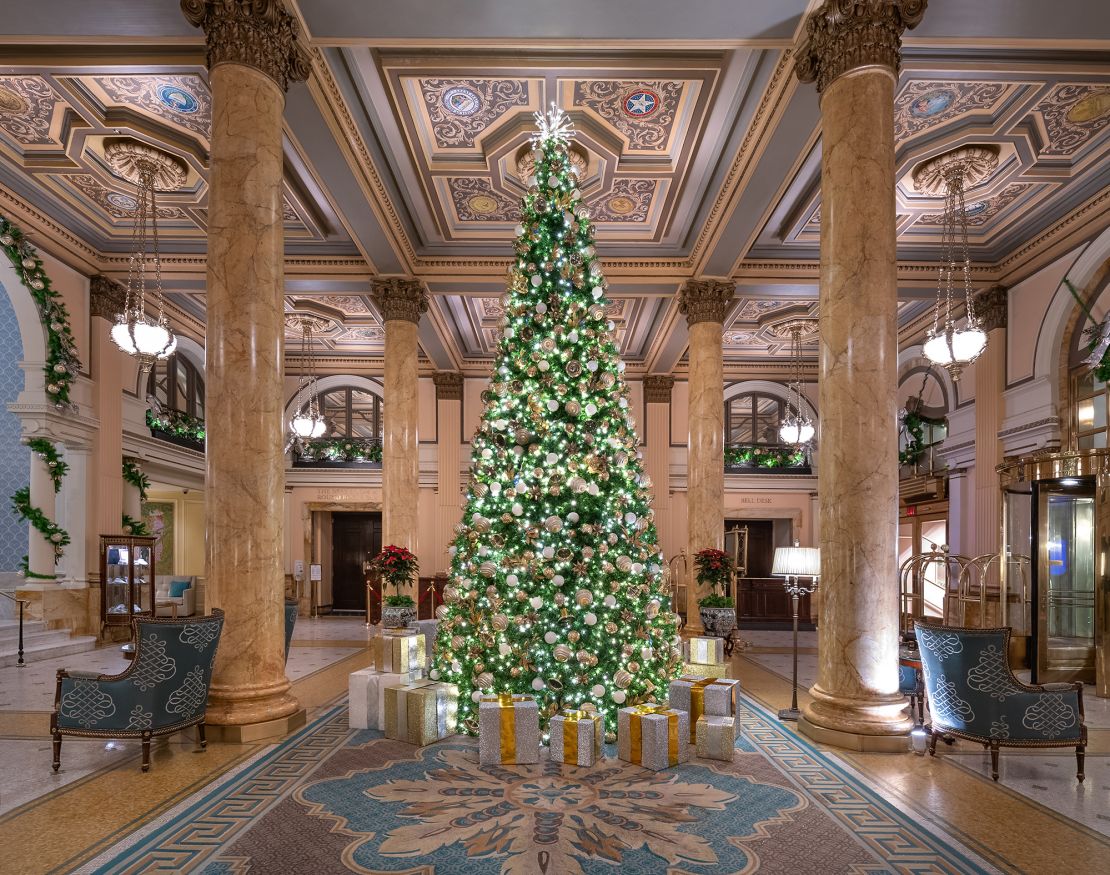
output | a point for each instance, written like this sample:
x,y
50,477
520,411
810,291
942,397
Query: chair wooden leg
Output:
x,y
1080,751
994,761
933,742
200,736
146,752
57,751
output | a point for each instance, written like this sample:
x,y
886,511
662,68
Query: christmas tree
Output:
x,y
557,586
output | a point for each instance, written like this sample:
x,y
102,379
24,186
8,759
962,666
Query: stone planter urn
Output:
x,y
398,616
718,621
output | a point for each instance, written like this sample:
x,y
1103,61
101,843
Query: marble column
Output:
x,y
705,304
401,302
449,396
852,52
40,550
106,301
990,381
252,56
657,461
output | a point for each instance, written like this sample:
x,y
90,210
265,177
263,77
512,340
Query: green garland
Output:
x,y
62,363
177,423
914,424
55,534
132,526
134,475
49,453
753,455
339,450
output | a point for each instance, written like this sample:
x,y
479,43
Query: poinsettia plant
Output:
x,y
397,566
714,568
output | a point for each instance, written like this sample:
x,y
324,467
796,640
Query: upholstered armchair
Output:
x,y
973,694
291,607
164,690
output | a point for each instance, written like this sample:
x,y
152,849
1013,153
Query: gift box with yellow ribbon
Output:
x,y
697,696
420,712
653,736
508,729
706,671
366,689
399,653
576,737
716,737
704,650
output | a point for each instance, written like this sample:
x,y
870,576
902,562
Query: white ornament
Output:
x,y
487,453
590,619
434,673
552,406
591,409
637,567
536,602
573,337
597,292
618,696
512,580
536,280
495,489
544,365
591,365
456,667
548,552
557,580
541,307
630,518
597,691
552,458
610,601
572,517
517,510
647,654
538,684
550,637
620,367
519,230
476,696
592,489
504,649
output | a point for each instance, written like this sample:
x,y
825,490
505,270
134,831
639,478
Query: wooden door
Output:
x,y
763,597
355,537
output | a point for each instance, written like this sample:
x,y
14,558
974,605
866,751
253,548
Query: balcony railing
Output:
x,y
767,459
337,453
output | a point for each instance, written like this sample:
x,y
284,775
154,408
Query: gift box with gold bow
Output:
x,y
704,650
399,653
706,671
576,737
653,736
716,737
508,729
697,696
366,689
420,712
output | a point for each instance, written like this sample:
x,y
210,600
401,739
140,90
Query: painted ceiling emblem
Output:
x,y
483,204
932,103
974,208
178,99
12,103
122,201
1090,108
640,103
622,205
461,101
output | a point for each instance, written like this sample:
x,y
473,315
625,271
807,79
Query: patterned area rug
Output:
x,y
333,800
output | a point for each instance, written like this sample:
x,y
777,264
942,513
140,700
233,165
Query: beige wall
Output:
x,y
188,527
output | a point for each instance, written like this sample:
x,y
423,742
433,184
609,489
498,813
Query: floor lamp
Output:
x,y
792,564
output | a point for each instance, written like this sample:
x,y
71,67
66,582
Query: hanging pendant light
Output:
x,y
307,423
796,428
949,344
138,331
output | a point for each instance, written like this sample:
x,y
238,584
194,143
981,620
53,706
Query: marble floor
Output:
x,y
1036,819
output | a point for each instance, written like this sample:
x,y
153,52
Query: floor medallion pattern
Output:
x,y
332,800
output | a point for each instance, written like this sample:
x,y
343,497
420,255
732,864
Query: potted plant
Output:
x,y
718,609
397,567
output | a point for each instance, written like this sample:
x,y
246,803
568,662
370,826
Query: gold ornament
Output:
x,y
441,612
624,563
583,657
610,627
561,653
457,642
484,680
583,597
499,622
622,679
450,594
633,667
573,635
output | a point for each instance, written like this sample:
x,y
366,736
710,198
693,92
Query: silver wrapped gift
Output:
x,y
427,628
716,737
366,695
508,729
704,650
421,712
698,695
576,737
653,736
399,653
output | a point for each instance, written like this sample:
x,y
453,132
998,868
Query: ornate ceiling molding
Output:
x,y
449,385
974,164
255,33
657,388
990,307
130,160
844,35
107,297
404,299
706,300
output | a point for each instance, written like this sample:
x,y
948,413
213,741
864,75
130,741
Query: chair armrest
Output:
x,y
87,675
189,600
1057,687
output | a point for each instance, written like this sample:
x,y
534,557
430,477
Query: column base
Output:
x,y
854,740
876,717
247,733
232,706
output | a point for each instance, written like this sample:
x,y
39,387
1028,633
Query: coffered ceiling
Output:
x,y
701,150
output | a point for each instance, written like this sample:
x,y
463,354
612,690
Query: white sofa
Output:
x,y
186,603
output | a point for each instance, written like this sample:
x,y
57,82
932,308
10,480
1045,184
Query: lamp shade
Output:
x,y
797,562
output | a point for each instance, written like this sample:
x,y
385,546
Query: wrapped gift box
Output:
x,y
508,730
366,690
699,695
716,737
427,628
399,653
704,650
705,671
653,736
420,712
576,737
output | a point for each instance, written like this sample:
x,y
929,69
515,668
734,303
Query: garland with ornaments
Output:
x,y
62,363
46,451
55,534
134,475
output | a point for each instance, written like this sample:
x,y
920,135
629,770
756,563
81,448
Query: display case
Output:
x,y
127,578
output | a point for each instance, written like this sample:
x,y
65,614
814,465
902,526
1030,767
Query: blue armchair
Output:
x,y
164,690
973,694
291,607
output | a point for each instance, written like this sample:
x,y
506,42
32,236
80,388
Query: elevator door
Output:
x,y
356,537
1064,584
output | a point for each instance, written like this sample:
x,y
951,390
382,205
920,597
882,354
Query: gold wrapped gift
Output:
x,y
508,729
703,695
576,737
421,712
716,737
653,736
705,650
399,653
705,671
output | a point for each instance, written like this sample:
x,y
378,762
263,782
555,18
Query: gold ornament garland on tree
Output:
x,y
556,586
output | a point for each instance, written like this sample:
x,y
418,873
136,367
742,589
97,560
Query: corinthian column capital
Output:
x,y
107,298
400,299
706,300
843,35
449,385
990,307
255,33
657,388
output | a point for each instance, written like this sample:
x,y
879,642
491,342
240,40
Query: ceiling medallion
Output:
x,y
932,103
975,165
177,98
131,160
461,101
12,103
621,205
482,205
297,322
639,103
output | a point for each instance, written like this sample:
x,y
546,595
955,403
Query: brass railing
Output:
x,y
20,662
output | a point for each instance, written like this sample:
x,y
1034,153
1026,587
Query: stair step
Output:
x,y
39,652
9,630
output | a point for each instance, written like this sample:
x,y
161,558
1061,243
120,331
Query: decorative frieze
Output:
x,y
657,388
449,385
400,299
255,33
107,298
706,300
990,307
844,35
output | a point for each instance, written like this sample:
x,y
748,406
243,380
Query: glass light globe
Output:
x,y
303,426
967,343
319,428
795,430
121,337
151,338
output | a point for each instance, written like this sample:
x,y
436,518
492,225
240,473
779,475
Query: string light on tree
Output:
x,y
557,585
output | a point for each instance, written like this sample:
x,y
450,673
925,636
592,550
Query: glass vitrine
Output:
x,y
127,578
